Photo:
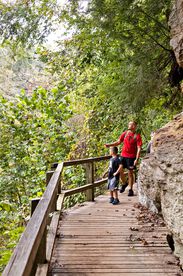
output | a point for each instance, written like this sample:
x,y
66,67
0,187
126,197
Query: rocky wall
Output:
x,y
160,179
176,30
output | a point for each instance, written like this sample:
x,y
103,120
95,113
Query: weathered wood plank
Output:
x,y
60,201
123,253
118,248
101,239
87,160
82,161
52,235
116,270
114,274
42,270
84,187
149,260
22,260
90,179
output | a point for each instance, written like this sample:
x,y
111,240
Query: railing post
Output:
x,y
48,176
90,180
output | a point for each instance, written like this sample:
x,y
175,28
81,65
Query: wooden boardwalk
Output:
x,y
97,238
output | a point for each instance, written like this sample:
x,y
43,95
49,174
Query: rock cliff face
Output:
x,y
160,179
176,30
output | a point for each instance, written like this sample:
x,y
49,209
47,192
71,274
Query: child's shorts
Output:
x,y
113,184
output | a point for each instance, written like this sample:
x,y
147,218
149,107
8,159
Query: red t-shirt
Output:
x,y
130,144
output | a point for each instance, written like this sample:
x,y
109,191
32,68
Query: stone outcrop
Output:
x,y
160,180
176,30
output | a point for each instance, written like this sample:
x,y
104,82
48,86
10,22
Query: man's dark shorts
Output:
x,y
128,163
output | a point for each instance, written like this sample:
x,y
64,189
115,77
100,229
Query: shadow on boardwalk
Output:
x,y
97,238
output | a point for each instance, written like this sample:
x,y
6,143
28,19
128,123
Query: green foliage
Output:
x,y
27,21
33,135
11,226
119,58
73,177
73,200
113,69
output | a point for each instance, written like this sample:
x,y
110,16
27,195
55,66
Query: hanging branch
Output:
x,y
155,20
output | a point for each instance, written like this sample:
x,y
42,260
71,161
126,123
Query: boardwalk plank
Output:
x,y
114,274
97,238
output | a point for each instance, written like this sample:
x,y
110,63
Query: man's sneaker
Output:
x,y
130,192
123,187
111,199
115,201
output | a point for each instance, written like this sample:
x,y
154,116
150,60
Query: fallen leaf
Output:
x,y
170,263
144,242
134,229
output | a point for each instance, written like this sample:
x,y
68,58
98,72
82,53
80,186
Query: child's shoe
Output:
x,y
111,199
115,201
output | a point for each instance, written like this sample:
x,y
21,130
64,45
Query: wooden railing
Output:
x,y
33,252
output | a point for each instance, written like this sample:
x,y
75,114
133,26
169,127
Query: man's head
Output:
x,y
113,151
132,125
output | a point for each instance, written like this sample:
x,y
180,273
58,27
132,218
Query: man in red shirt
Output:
x,y
130,154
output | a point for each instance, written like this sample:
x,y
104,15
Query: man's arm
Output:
x,y
114,144
137,155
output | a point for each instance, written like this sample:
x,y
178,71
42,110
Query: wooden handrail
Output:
x,y
84,187
85,161
21,262
31,249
